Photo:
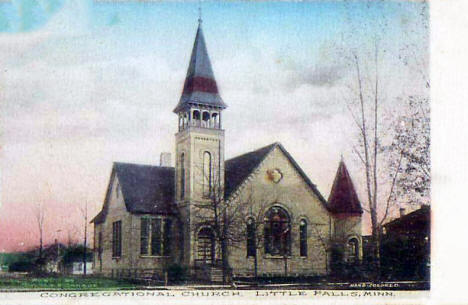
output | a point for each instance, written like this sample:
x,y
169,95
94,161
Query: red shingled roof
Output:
x,y
200,86
343,197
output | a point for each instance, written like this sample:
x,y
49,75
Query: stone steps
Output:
x,y
216,274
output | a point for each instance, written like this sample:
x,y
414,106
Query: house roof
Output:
x,y
239,168
146,189
200,86
411,220
343,197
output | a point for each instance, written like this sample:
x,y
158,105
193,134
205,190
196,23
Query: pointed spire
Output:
x,y
199,14
343,198
200,85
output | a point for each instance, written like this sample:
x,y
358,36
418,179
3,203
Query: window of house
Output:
x,y
207,174
155,236
353,249
251,244
167,236
99,245
277,232
303,238
182,176
117,238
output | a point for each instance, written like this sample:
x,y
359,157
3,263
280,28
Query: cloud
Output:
x,y
320,76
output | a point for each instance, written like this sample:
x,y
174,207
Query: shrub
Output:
x,y
21,266
176,273
336,260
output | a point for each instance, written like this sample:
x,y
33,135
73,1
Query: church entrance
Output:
x,y
206,246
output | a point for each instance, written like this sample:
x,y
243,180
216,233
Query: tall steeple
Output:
x,y
199,142
200,86
343,198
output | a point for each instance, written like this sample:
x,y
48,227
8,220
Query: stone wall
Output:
x,y
130,258
295,196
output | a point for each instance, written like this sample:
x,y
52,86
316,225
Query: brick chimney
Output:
x,y
402,212
165,159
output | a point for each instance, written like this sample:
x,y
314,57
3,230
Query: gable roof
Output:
x,y
200,85
343,197
239,168
150,189
145,189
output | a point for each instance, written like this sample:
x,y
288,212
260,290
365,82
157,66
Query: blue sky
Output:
x,y
87,83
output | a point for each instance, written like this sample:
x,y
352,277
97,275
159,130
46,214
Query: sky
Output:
x,y
87,83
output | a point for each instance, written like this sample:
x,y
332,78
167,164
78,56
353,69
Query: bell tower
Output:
x,y
199,141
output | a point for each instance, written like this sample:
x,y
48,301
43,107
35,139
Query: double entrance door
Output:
x,y
205,246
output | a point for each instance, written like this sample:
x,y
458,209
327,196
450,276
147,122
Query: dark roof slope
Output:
x,y
343,197
416,219
99,218
146,189
239,168
200,85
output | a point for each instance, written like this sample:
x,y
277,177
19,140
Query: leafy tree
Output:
x,y
411,140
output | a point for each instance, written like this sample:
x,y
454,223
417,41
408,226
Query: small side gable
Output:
x,y
110,194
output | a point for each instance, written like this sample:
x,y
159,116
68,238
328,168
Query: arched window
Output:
x,y
251,243
196,117
214,118
277,232
207,174
303,238
182,176
353,250
206,119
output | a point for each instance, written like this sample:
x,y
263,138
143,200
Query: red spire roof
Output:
x,y
200,85
343,197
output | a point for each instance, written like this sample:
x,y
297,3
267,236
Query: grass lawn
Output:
x,y
63,283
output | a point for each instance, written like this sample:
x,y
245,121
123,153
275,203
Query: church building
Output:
x,y
274,220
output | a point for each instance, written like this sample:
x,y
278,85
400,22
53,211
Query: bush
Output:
x,y
336,260
21,266
176,273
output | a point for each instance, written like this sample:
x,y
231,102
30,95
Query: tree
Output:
x,y
411,141
229,218
252,219
367,104
223,218
84,212
39,214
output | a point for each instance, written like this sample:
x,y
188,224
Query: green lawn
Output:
x,y
63,283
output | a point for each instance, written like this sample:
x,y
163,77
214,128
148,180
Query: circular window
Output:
x,y
274,175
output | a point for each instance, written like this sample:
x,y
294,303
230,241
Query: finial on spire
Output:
x,y
199,12
341,158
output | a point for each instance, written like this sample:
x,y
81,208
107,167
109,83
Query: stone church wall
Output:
x,y
130,261
295,196
347,227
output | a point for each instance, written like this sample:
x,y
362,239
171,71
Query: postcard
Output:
x,y
215,151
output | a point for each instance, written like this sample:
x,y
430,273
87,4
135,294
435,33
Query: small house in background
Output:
x,y
51,257
73,261
405,247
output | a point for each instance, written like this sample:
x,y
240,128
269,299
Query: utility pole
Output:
x,y
85,236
